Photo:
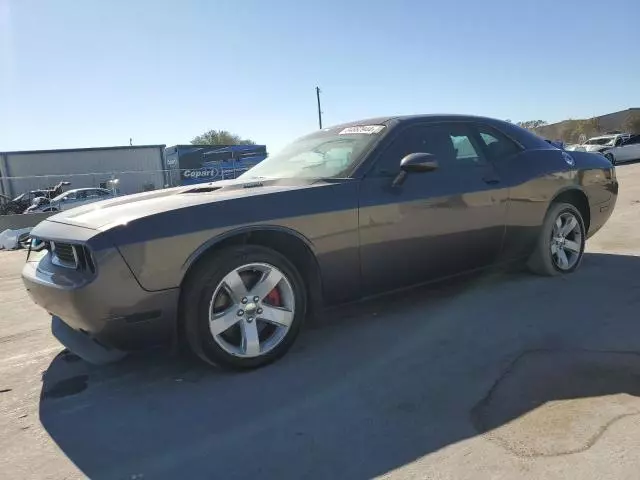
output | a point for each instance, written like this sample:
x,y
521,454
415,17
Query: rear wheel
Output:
x,y
560,247
243,307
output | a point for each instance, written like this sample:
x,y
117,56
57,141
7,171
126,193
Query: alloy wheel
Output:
x,y
566,241
251,310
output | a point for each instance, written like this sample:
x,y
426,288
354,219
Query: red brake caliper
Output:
x,y
274,298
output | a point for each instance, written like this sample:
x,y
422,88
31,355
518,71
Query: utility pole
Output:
x,y
319,110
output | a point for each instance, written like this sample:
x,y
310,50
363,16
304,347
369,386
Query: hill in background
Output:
x,y
570,130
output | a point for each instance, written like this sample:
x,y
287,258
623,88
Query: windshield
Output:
x,y
600,141
328,153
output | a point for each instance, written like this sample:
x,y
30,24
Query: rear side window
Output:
x,y
498,145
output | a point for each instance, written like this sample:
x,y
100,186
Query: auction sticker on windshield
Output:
x,y
367,129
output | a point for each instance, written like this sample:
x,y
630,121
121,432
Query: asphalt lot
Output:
x,y
500,376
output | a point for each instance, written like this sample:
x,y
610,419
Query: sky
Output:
x,y
97,73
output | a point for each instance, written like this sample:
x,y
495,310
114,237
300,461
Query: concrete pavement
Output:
x,y
501,376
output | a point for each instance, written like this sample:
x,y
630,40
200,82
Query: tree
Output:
x,y
632,123
220,137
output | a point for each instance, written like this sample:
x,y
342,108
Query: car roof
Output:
x,y
522,136
443,117
611,135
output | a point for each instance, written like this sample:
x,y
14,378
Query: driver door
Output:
x,y
435,224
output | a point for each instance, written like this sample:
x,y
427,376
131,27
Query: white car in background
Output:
x,y
571,146
70,199
602,142
628,151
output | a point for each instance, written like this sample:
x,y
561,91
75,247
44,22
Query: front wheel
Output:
x,y
243,307
561,243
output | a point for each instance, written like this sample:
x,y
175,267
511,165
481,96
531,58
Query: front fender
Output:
x,y
241,232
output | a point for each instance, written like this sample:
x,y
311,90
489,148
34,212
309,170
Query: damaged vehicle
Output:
x,y
69,199
24,201
603,142
17,205
231,269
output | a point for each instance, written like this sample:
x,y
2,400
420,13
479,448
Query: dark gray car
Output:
x,y
233,268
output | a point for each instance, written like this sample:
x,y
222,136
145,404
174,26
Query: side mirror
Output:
x,y
418,162
415,163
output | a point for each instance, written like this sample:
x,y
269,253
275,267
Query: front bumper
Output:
x,y
107,306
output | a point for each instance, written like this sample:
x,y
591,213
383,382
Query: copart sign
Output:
x,y
201,173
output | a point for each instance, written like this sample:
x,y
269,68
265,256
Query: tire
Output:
x,y
224,325
543,260
611,158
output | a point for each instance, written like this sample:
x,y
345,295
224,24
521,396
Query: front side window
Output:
x,y
464,149
451,144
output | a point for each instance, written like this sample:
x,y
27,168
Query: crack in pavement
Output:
x,y
558,402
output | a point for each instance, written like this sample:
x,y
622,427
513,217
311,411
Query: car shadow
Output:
x,y
629,162
373,387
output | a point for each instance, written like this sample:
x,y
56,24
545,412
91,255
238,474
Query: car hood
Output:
x,y
106,214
